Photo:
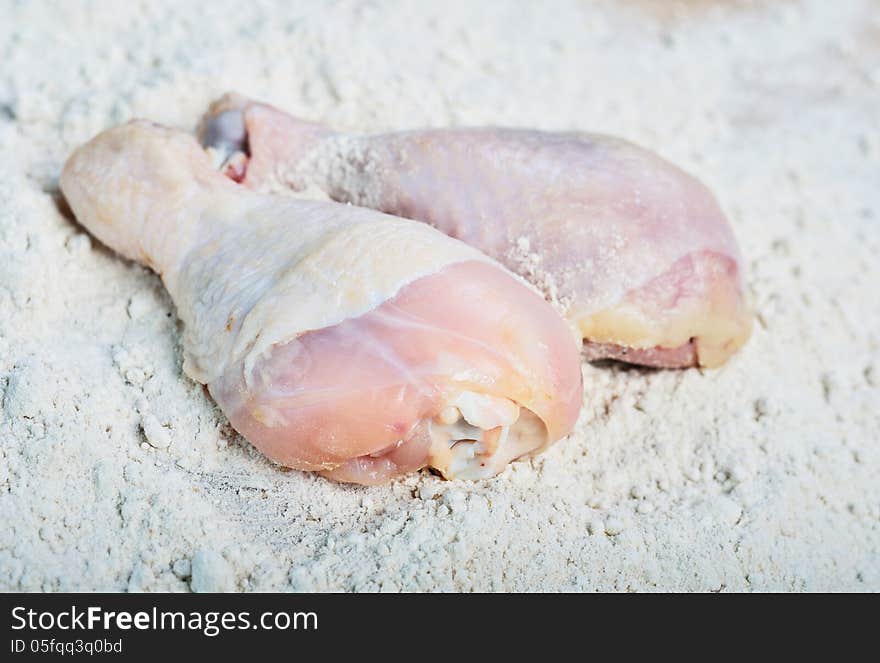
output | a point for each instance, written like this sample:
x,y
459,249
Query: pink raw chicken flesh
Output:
x,y
636,252
362,346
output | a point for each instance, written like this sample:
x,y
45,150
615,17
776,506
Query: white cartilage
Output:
x,y
486,411
225,140
225,132
492,432
448,415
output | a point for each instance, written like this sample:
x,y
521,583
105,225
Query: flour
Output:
x,y
529,264
117,472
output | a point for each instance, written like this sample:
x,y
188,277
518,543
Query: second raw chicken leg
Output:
x,y
636,252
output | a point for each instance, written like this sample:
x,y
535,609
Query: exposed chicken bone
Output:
x,y
492,432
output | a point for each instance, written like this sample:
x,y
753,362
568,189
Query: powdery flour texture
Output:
x,y
117,472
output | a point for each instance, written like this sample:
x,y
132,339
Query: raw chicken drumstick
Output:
x,y
335,338
636,252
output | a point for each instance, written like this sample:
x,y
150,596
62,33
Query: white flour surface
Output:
x,y
117,472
